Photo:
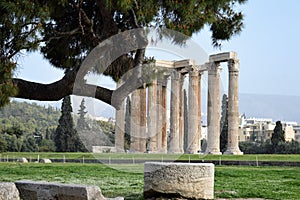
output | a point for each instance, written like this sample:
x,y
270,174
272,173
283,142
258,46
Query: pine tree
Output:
x,y
81,123
224,124
66,137
278,135
66,32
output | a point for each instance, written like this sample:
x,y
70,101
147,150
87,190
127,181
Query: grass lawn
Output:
x,y
127,180
107,156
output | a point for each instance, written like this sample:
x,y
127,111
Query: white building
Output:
x,y
297,132
261,129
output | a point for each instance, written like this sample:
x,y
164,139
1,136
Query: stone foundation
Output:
x,y
179,180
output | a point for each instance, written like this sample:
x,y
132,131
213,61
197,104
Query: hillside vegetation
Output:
x,y
29,118
26,127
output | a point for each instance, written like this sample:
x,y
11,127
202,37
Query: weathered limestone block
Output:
x,y
45,160
30,190
179,180
9,191
22,160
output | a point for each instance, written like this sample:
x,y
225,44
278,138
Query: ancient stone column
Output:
x,y
135,122
233,109
152,117
164,139
181,114
199,114
120,127
174,115
193,111
159,122
143,120
213,109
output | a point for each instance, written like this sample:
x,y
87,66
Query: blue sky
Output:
x,y
268,49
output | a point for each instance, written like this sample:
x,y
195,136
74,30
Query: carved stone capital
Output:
x,y
175,75
193,71
182,77
213,66
233,65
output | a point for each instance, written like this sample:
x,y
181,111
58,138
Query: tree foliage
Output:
x,y
66,31
292,147
24,127
278,134
30,127
22,118
66,137
81,122
21,23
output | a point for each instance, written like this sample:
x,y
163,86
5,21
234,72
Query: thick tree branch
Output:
x,y
98,59
59,89
42,92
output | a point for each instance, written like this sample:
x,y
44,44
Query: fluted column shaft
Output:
x,y
174,113
181,114
164,138
120,129
193,136
213,109
135,121
143,120
159,111
233,108
199,113
152,117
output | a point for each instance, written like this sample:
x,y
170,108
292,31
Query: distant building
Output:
x,y
261,129
288,128
103,149
297,132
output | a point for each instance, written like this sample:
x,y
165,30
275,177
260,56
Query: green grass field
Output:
x,y
106,156
127,180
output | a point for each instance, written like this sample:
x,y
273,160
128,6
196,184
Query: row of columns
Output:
x,y
157,117
154,129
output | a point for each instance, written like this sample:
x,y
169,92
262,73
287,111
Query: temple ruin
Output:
x,y
148,119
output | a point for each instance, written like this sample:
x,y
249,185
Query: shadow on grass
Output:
x,y
135,196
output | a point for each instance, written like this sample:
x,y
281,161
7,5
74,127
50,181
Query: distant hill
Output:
x,y
35,119
277,107
30,118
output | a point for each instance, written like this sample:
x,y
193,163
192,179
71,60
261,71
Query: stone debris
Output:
x,y
30,190
9,191
22,160
45,160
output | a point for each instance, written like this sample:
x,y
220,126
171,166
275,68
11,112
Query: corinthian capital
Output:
x,y
233,65
193,70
